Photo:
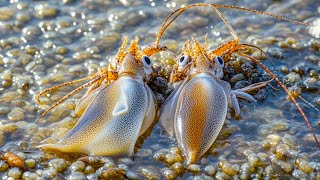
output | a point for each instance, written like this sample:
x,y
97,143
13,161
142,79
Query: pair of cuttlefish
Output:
x,y
119,106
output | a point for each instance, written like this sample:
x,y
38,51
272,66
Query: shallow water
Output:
x,y
43,44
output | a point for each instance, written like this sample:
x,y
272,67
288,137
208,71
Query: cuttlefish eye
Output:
x,y
219,61
146,61
183,61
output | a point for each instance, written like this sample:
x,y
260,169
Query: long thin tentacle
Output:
x,y
287,91
166,24
99,78
225,46
37,98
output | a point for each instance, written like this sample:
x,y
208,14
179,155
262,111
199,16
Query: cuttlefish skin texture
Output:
x,y
200,114
112,122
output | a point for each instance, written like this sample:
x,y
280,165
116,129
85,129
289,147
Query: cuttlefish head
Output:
x,y
193,60
134,62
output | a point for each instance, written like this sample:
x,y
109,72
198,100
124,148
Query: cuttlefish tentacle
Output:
x,y
168,109
200,114
112,122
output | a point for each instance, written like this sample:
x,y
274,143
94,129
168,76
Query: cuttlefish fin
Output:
x,y
121,106
151,111
98,132
168,108
86,100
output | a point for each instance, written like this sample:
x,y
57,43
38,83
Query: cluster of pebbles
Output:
x,y
43,44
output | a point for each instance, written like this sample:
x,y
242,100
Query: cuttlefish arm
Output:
x,y
112,122
168,108
200,114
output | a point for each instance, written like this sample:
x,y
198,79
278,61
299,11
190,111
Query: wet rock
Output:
x,y
194,168
6,13
169,174
178,168
237,77
59,164
77,166
241,84
261,95
15,173
3,166
210,170
76,176
150,174
16,114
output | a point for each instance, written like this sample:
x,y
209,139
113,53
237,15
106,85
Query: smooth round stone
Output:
x,y
227,168
3,166
15,173
29,175
6,13
221,176
150,174
254,160
304,166
31,163
88,169
92,176
237,77
4,110
77,166
46,12
16,114
210,170
132,175
169,173
126,161
144,152
112,173
76,176
178,167
58,164
194,168
299,174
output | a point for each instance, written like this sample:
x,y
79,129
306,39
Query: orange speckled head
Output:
x,y
134,61
198,61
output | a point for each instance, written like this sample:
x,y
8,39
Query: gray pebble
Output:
x,y
76,176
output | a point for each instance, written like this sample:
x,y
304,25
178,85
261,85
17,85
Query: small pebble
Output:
x,y
178,168
29,175
150,174
31,163
88,169
58,164
210,170
194,168
303,165
15,173
77,166
76,176
3,166
169,174
132,175
16,114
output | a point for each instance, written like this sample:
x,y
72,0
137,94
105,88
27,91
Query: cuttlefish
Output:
x,y
118,107
196,111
